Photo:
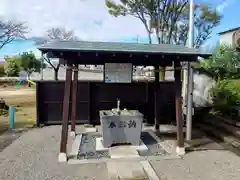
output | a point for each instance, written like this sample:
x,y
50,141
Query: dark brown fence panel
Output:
x,y
167,102
132,96
93,96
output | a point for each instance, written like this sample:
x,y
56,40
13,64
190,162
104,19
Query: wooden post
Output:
x,y
74,100
156,97
178,100
64,136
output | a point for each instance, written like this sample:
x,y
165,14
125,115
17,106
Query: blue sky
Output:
x,y
230,19
90,20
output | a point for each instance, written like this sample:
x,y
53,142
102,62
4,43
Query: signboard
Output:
x,y
118,72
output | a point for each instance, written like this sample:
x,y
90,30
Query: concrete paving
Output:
x,y
123,151
126,170
33,156
200,165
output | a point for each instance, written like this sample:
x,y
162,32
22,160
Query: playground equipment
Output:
x,y
21,81
31,82
11,117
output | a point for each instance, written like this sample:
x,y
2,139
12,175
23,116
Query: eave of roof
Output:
x,y
116,47
229,30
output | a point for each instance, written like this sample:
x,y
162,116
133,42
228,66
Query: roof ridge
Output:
x,y
125,43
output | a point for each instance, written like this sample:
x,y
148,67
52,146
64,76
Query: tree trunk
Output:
x,y
28,74
56,74
149,38
162,72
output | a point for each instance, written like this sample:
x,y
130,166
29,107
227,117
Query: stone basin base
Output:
x,y
91,147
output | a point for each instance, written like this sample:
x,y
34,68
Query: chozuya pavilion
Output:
x,y
75,53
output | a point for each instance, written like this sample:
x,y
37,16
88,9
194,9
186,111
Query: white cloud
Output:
x,y
88,18
222,5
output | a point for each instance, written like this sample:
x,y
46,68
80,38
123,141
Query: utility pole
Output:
x,y
137,38
190,74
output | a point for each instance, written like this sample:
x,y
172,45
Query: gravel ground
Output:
x,y
8,137
200,165
33,156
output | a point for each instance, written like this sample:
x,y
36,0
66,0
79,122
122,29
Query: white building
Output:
x,y
230,37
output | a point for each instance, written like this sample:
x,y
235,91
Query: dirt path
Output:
x,y
6,92
24,100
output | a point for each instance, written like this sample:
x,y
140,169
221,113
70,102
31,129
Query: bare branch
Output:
x,y
60,34
51,35
10,31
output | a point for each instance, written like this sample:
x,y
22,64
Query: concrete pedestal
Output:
x,y
180,151
62,157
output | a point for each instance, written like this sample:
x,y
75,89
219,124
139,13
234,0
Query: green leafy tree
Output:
x,y
169,19
206,18
28,62
11,68
137,8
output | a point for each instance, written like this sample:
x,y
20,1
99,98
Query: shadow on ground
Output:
x,y
9,136
199,141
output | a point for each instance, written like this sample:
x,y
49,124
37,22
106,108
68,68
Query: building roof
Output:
x,y
229,30
117,47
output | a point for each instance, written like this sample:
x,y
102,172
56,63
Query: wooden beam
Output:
x,y
156,98
178,101
99,58
74,100
67,93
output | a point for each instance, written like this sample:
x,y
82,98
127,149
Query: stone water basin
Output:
x,y
121,127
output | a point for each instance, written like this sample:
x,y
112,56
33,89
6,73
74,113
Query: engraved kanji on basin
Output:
x,y
121,127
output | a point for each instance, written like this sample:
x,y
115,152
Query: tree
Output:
x,y
60,34
169,19
137,8
206,18
55,34
10,31
10,66
28,62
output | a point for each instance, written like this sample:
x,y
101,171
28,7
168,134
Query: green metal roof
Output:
x,y
90,46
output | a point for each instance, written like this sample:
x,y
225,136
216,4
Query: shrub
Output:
x,y
224,63
225,94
